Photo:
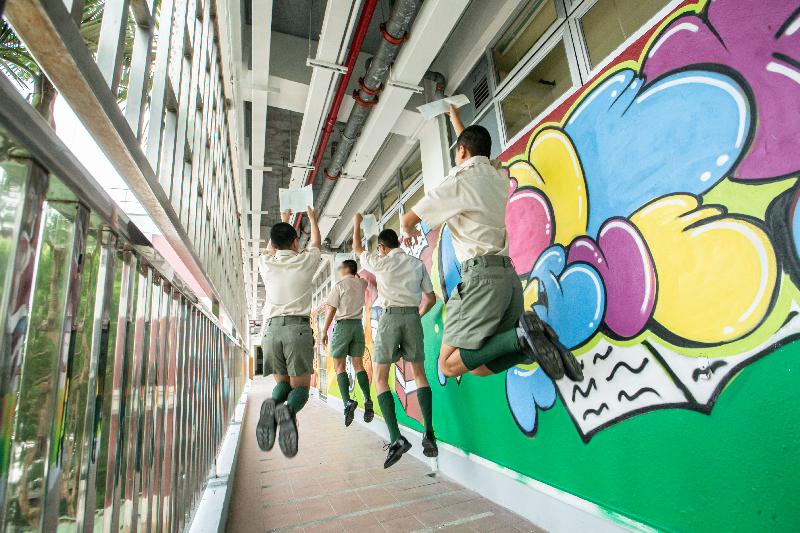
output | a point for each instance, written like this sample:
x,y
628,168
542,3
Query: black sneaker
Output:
x,y
287,438
349,412
572,368
429,447
537,347
396,451
265,429
369,413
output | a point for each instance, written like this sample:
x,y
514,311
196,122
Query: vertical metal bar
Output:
x,y
172,354
138,77
160,77
99,348
59,393
111,43
133,417
117,424
24,228
158,423
149,370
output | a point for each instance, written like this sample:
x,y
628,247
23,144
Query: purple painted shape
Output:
x,y
623,261
530,227
760,41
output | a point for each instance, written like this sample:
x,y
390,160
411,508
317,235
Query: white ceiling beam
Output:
x,y
261,41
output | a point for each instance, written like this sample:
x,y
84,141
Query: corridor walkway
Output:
x,y
337,483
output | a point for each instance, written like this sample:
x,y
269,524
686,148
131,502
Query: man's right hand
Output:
x,y
325,339
286,215
357,218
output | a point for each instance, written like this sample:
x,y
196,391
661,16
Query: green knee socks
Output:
x,y
344,386
297,398
496,346
281,391
363,383
386,402
426,406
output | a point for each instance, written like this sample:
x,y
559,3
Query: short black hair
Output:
x,y
282,235
476,140
351,265
388,238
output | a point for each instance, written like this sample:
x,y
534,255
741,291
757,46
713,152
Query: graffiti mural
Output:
x,y
655,223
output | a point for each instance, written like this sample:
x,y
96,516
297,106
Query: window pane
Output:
x,y
416,197
393,222
411,169
528,28
609,22
541,87
390,195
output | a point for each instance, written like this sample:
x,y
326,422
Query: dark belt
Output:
x,y
487,261
348,320
286,320
402,310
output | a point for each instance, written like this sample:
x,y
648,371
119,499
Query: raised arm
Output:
x,y
316,240
455,119
357,248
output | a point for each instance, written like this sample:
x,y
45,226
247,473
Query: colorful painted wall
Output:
x,y
653,221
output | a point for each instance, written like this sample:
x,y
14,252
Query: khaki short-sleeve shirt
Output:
x,y
347,297
472,200
401,279
287,277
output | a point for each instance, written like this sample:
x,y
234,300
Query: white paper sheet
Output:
x,y
438,107
369,226
296,200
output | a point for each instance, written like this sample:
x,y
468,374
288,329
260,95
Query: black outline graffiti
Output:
x,y
623,394
597,412
602,357
576,389
710,369
623,364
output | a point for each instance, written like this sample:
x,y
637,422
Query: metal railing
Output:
x,y
171,140
116,388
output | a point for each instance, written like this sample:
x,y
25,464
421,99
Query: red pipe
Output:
x,y
352,56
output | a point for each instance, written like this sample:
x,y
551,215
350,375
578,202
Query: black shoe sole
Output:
x,y
395,458
287,436
265,429
542,350
369,413
430,449
572,368
350,412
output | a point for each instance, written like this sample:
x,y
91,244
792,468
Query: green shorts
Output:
x,y
399,334
348,339
288,345
488,300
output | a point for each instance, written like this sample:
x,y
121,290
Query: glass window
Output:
x,y
411,169
390,194
610,22
416,197
393,222
541,87
520,37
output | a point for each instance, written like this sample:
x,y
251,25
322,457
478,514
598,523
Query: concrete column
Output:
x,y
433,146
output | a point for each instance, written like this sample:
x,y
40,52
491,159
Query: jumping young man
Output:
x,y
406,293
346,303
288,341
487,329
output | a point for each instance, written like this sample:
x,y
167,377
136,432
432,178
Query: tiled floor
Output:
x,y
337,483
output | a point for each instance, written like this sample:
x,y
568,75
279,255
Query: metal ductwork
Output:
x,y
395,32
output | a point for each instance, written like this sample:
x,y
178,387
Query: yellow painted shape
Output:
x,y
716,273
554,168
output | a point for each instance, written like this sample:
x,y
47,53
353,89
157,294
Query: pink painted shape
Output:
x,y
623,261
530,227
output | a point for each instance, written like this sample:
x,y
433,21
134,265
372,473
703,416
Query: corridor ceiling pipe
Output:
x,y
395,32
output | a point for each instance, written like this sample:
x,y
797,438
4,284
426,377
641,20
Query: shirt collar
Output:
x,y
471,162
395,251
285,253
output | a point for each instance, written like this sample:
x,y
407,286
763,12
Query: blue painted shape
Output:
x,y
796,223
639,142
527,392
572,299
450,267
